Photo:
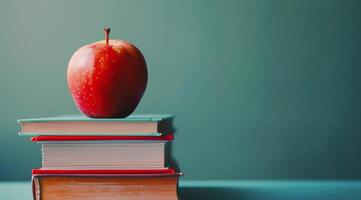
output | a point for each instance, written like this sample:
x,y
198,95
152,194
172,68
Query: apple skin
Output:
x,y
107,79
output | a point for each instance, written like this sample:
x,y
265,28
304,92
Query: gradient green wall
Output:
x,y
260,89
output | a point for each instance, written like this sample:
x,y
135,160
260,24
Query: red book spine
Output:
x,y
106,171
167,137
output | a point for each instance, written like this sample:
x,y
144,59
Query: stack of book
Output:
x,y
84,158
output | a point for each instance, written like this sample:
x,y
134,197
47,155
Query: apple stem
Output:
x,y
107,31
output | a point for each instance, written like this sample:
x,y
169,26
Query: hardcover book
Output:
x,y
104,152
97,185
146,125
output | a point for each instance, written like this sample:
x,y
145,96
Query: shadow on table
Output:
x,y
210,193
295,191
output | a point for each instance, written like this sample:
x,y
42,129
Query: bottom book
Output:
x,y
91,186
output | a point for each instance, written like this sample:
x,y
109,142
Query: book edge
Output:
x,y
121,173
134,118
168,137
32,134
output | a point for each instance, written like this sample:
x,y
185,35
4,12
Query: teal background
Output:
x,y
261,89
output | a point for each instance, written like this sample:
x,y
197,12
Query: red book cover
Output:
x,y
135,172
167,137
40,171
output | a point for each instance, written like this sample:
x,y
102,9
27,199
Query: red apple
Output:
x,y
108,78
